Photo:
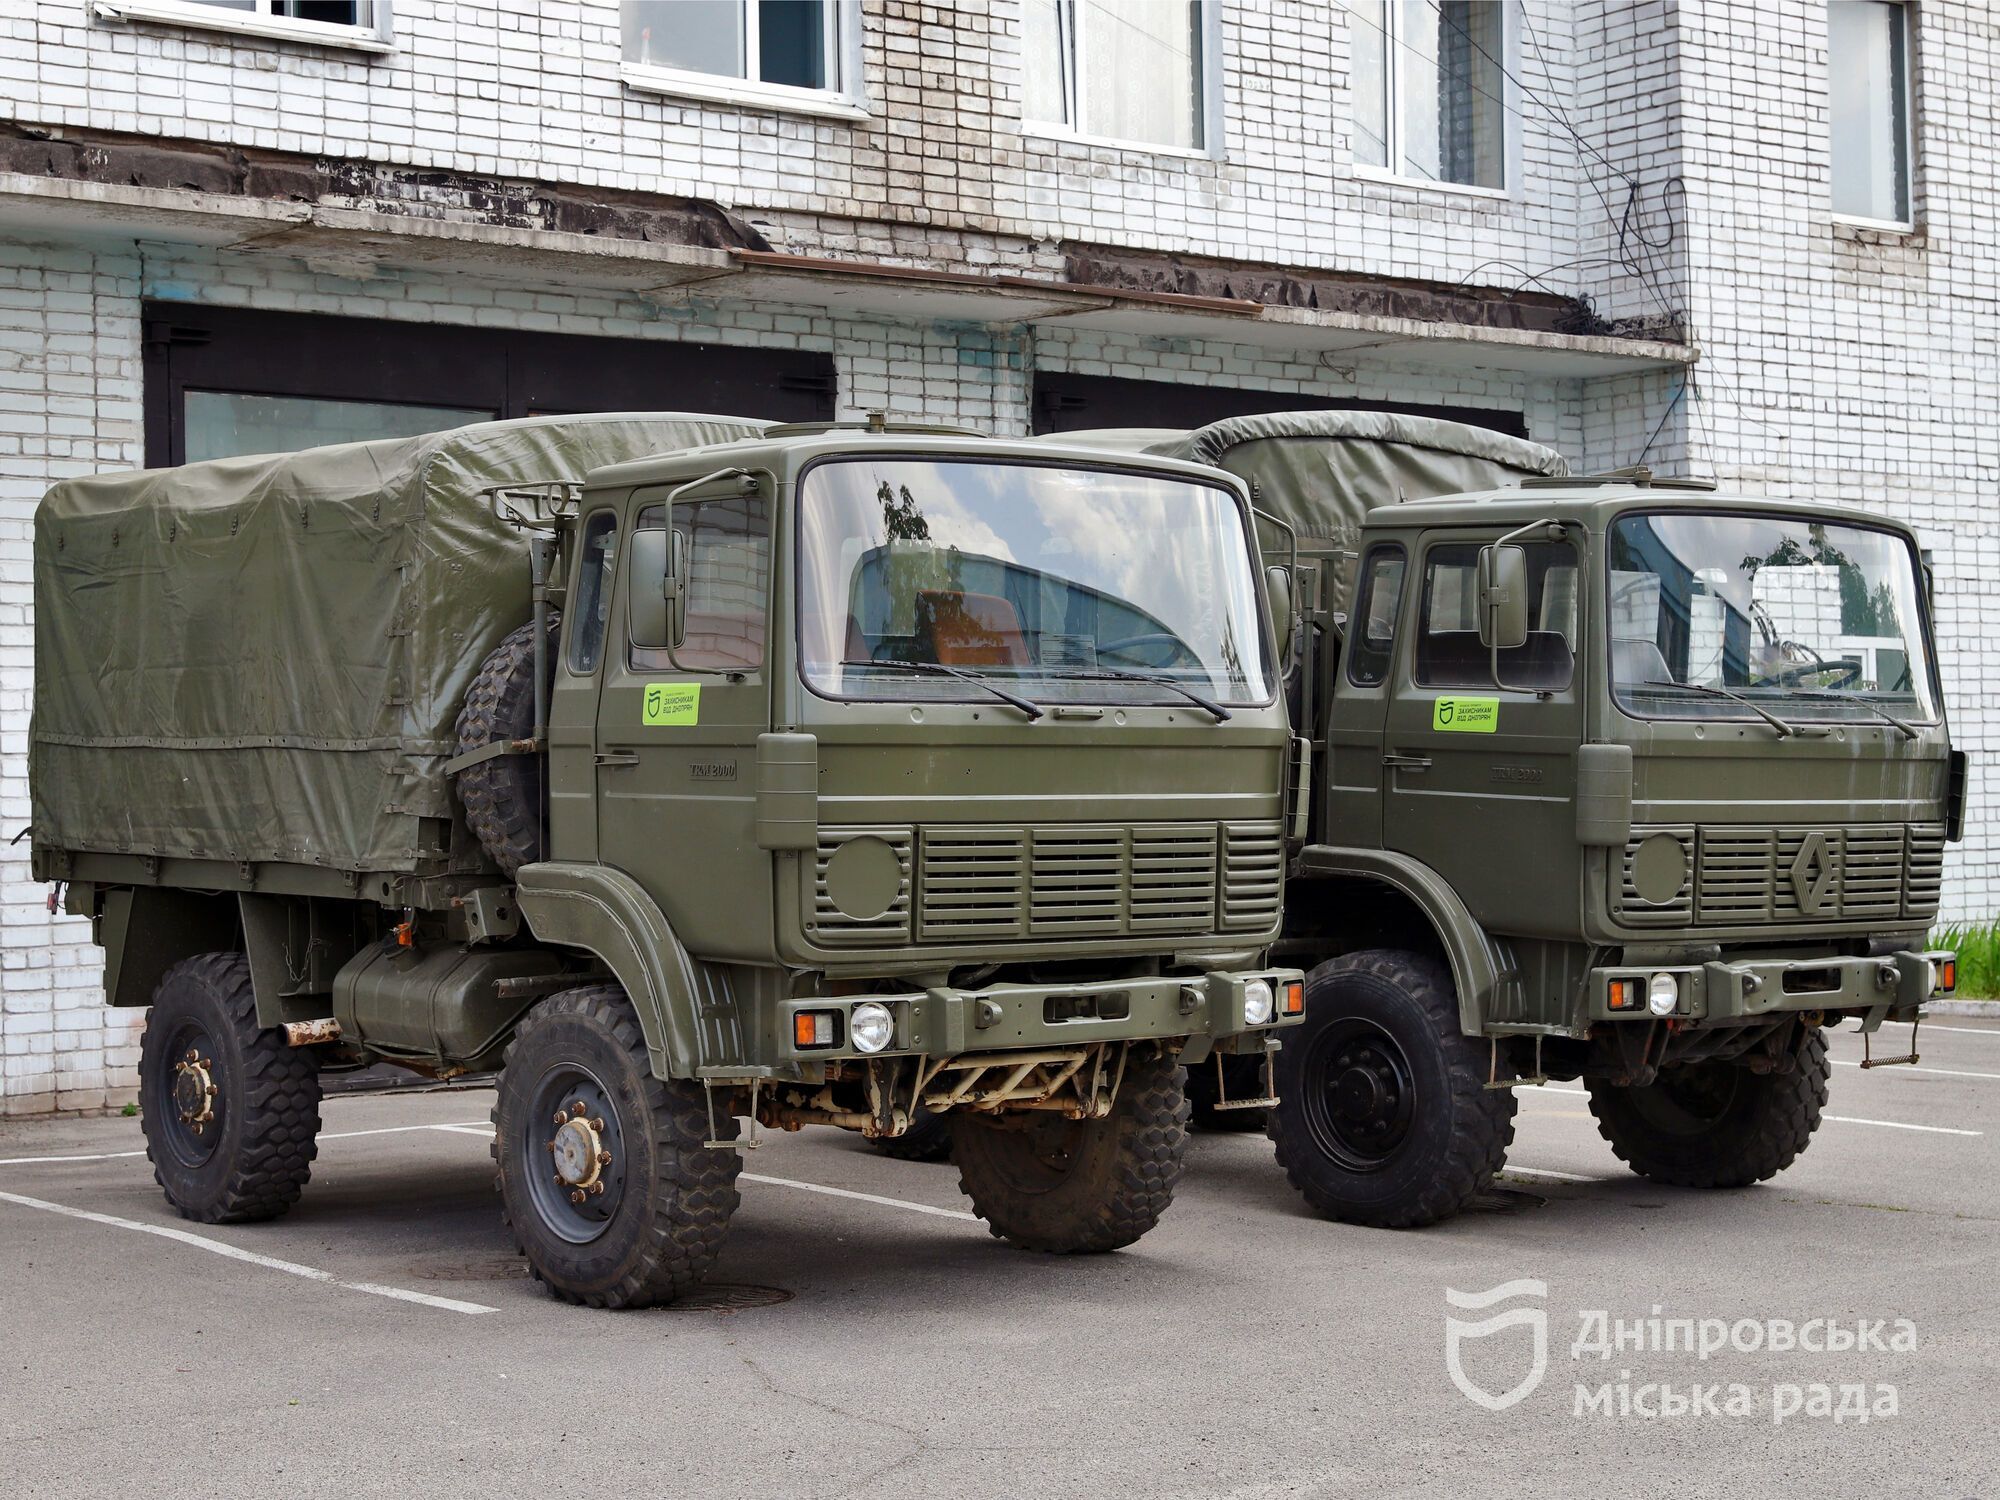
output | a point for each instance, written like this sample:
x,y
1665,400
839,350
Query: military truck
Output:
x,y
686,770
1612,777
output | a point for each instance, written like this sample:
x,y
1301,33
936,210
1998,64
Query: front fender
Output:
x,y
605,912
1480,969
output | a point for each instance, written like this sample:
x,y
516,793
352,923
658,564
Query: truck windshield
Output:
x,y
1064,584
1811,620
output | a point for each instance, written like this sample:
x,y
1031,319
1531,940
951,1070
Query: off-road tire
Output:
x,y
1117,1179
502,797
1753,1132
927,1139
252,1159
676,1195
1245,1077
1447,1134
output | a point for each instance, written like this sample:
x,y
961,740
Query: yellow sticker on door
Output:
x,y
673,703
1466,715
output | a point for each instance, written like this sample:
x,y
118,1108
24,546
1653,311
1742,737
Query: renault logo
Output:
x,y
1812,874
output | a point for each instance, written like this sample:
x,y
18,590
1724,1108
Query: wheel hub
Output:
x,y
578,1151
1360,1094
195,1090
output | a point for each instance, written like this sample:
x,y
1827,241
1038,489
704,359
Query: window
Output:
x,y
726,549
336,23
1868,106
1374,627
768,51
1448,650
590,611
1120,70
1430,89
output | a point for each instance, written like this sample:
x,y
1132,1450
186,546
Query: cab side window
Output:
x,y
726,550
1448,651
590,612
1372,636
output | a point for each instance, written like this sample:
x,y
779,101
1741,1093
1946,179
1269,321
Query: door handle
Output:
x,y
617,758
1407,762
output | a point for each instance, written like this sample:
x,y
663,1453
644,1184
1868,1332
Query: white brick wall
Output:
x,y
1834,365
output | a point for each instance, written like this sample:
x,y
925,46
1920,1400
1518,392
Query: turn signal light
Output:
x,y
1624,995
1947,977
812,1028
1295,997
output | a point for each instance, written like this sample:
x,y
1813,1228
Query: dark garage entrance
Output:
x,y
1071,403
221,381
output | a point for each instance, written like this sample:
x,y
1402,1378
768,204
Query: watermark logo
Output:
x,y
1533,1318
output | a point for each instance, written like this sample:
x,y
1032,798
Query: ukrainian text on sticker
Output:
x,y
1466,715
673,703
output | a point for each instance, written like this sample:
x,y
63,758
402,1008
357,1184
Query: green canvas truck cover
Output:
x,y
262,658
1322,471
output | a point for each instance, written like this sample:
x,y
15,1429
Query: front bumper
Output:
x,y
1208,1010
1747,988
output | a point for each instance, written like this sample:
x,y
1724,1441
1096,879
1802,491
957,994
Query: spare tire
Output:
x,y
503,796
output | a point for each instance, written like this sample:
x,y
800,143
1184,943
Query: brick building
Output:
x,y
1756,240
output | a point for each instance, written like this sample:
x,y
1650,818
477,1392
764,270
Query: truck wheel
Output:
x,y
1713,1124
927,1139
230,1112
1245,1077
603,1177
1383,1117
503,796
1078,1187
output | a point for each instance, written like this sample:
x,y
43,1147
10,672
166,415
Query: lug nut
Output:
x,y
604,1158
561,1119
578,1110
597,1190
578,1196
597,1124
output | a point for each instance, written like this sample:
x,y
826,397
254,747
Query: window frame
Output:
x,y
1364,596
607,576
1415,663
842,99
375,34
1208,76
654,499
1908,223
1396,54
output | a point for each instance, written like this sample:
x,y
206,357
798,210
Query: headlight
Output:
x,y
870,1026
1258,1002
1663,994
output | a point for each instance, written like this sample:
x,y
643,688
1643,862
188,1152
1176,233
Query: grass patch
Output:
x,y
1978,947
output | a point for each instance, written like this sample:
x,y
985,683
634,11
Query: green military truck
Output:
x,y
1612,777
685,769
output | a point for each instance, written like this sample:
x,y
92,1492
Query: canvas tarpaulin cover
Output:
x,y
1322,471
262,658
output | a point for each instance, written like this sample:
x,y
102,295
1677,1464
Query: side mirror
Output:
x,y
1278,585
1503,597
652,587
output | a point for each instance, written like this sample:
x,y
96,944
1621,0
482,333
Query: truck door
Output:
x,y
1356,779
677,725
1479,773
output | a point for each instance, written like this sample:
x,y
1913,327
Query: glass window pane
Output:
x,y
727,545
328,12
591,610
1454,118
1140,69
702,36
1043,64
1368,49
223,424
791,42
1448,650
1374,626
1868,107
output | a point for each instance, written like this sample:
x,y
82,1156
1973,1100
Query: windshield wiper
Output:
x,y
1910,731
1027,706
1112,674
1785,730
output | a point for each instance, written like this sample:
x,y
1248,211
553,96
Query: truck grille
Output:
x,y
979,884
1864,872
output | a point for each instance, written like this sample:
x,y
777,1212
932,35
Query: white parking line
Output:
x,y
1840,1062
1899,1125
329,1135
1963,1030
834,1192
1514,1171
231,1252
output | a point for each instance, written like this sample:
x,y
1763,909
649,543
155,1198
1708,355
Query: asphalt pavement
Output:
x,y
864,1335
